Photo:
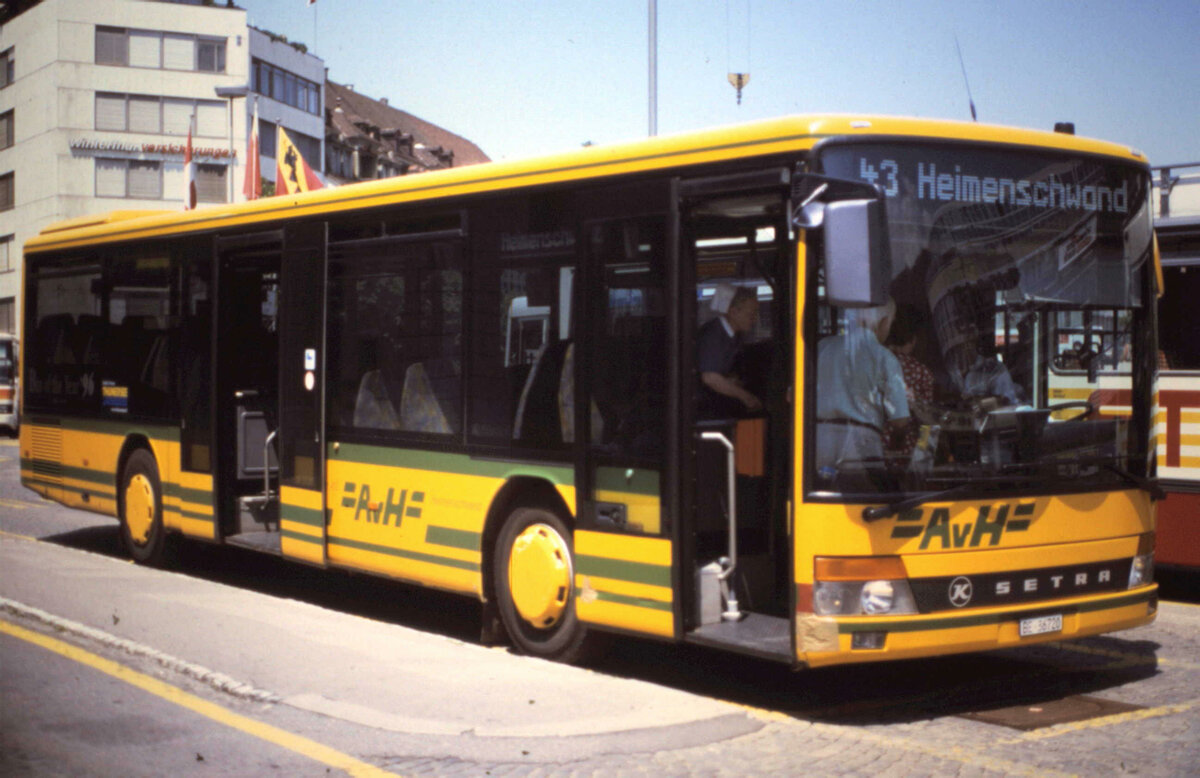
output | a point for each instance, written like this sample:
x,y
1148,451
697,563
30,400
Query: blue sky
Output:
x,y
524,78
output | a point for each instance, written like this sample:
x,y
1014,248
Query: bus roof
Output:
x,y
787,134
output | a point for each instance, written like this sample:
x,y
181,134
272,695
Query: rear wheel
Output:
x,y
535,583
140,503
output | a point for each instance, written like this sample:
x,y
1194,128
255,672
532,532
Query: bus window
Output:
x,y
520,301
395,336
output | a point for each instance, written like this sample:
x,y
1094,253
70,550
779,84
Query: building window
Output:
x,y
8,315
6,68
6,262
130,178
7,193
285,87
159,50
161,115
210,184
6,129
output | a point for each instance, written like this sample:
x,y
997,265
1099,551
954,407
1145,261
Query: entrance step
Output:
x,y
766,637
267,542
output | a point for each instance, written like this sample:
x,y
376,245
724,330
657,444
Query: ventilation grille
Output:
x,y
47,453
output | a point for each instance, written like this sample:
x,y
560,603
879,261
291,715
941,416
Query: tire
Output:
x,y
537,605
139,502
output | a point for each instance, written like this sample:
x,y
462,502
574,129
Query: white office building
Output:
x,y
96,97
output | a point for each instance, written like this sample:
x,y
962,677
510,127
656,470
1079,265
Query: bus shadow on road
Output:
x,y
877,693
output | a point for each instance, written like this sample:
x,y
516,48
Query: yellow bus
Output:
x,y
332,378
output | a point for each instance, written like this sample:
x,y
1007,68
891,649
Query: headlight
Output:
x,y
854,598
1141,570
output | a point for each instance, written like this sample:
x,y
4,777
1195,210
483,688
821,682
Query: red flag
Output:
x,y
253,185
189,173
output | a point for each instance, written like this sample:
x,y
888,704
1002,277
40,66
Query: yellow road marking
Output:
x,y
293,742
15,536
1129,659
1105,721
19,504
967,756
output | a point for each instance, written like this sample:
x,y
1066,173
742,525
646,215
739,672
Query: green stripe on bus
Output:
x,y
441,462
621,599
301,515
186,494
302,538
983,619
404,554
453,538
106,494
621,570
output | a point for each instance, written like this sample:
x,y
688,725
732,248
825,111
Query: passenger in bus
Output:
x,y
718,343
918,379
861,396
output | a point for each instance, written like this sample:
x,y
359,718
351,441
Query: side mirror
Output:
x,y
858,258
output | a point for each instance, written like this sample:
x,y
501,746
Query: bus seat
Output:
x,y
92,333
430,399
373,408
537,421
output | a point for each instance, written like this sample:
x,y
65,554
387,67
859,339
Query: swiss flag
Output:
x,y
189,173
252,188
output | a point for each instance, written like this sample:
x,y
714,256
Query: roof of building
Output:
x,y
360,121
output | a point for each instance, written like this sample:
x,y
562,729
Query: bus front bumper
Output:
x,y
822,640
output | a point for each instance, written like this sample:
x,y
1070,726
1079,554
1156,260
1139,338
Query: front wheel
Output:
x,y
142,530
535,583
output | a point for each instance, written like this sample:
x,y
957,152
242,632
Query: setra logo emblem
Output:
x,y
960,591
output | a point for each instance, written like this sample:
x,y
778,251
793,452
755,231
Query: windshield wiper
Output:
x,y
1149,485
877,512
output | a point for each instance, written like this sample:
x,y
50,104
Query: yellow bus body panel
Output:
x,y
624,581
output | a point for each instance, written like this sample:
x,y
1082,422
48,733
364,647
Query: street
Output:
x,y
240,664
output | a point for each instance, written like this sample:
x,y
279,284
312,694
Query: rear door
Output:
x,y
301,442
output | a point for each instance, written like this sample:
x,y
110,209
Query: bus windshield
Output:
x,y
949,384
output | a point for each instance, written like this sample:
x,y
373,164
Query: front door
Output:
x,y
737,276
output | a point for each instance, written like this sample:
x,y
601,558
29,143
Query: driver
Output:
x,y
861,393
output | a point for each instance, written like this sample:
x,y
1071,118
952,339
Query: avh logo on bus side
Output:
x,y
990,524
398,505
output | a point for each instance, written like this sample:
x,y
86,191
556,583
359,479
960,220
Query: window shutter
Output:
x,y
176,114
212,120
145,49
210,184
144,114
110,112
110,178
111,46
145,180
179,52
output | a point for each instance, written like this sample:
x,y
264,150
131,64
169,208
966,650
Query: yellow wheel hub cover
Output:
x,y
139,508
539,575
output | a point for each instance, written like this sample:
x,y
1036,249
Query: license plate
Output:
x,y
1040,625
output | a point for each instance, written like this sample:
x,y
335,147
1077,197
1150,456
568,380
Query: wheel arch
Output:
x,y
132,443
518,491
